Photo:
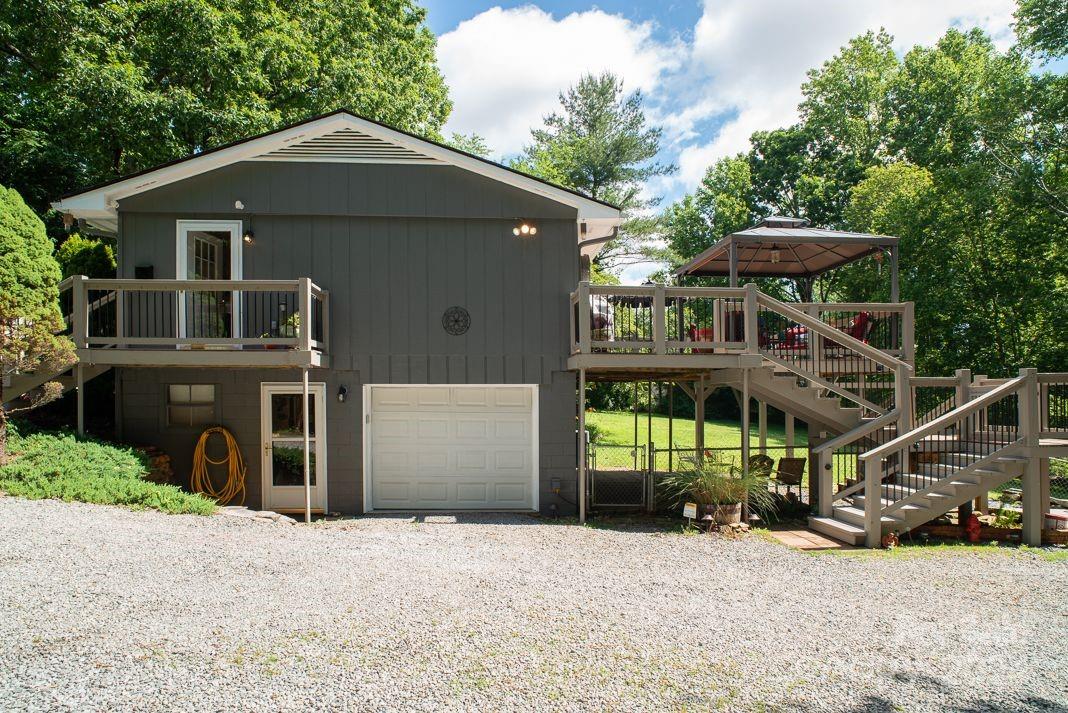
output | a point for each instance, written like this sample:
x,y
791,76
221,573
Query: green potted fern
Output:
x,y
720,489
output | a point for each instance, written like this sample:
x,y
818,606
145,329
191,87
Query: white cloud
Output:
x,y
753,56
505,68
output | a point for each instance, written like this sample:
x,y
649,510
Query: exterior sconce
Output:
x,y
342,393
525,228
249,238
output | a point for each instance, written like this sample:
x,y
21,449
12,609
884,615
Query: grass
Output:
x,y
617,428
60,465
911,550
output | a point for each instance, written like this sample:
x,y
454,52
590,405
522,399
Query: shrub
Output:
x,y
60,465
79,255
716,483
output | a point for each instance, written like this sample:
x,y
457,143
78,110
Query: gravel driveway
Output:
x,y
107,609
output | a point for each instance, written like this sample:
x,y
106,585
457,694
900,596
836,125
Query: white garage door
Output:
x,y
452,447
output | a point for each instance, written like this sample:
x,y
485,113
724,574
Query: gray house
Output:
x,y
424,291
436,310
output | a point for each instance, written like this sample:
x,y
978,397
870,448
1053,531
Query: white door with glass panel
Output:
x,y
282,420
209,250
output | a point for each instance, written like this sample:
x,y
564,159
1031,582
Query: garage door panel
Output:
x,y
452,447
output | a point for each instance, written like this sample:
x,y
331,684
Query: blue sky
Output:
x,y
712,72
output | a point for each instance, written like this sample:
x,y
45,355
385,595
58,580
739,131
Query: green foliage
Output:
x,y
1006,517
599,144
958,149
29,300
715,483
79,255
60,465
94,90
1042,26
471,143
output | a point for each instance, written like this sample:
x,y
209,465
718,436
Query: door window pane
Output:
x,y
287,418
287,463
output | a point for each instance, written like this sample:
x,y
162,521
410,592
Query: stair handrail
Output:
x,y
824,473
906,440
860,431
825,330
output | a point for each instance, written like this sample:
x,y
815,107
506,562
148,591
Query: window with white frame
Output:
x,y
191,405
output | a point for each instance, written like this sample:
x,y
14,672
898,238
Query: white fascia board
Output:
x,y
101,203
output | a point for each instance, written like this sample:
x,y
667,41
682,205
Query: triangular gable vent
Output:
x,y
347,145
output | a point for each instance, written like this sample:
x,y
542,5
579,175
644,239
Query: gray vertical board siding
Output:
x,y
395,246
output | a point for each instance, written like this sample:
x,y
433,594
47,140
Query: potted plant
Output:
x,y
720,489
289,329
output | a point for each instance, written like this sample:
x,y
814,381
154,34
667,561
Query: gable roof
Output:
x,y
339,136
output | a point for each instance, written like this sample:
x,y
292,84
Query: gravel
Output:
x,y
103,608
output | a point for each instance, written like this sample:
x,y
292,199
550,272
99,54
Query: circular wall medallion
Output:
x,y
456,321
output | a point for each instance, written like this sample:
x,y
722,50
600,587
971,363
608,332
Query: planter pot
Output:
x,y
724,514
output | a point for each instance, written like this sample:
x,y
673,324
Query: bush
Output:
x,y
85,256
60,465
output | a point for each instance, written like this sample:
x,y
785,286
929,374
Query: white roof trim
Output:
x,y
379,144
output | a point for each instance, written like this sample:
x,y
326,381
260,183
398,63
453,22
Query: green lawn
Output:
x,y
617,428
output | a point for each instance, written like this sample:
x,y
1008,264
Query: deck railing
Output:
x,y
191,314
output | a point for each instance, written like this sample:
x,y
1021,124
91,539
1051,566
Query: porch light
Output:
x,y
342,392
248,237
525,228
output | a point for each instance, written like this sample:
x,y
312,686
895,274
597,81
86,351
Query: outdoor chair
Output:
x,y
789,474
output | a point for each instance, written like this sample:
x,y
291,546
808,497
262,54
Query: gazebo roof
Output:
x,y
781,246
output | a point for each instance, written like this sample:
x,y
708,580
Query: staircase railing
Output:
x,y
828,357
1053,404
1003,418
836,463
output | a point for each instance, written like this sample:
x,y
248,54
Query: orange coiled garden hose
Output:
x,y
201,482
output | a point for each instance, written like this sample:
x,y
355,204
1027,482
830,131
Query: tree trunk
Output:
x,y
3,433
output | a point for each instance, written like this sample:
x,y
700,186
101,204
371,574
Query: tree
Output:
x,y
1042,26
29,304
471,143
92,90
599,144
722,204
79,255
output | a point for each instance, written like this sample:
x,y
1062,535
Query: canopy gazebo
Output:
x,y
781,246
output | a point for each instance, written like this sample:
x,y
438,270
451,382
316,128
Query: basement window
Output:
x,y
191,405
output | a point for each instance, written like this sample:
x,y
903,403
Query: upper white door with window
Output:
x,y
452,447
209,250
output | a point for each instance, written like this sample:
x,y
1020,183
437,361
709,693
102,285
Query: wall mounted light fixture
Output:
x,y
248,237
525,228
342,393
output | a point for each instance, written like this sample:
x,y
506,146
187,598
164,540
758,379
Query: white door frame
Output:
x,y
235,228
535,435
318,389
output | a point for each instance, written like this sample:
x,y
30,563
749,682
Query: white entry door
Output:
x,y
209,250
451,447
282,423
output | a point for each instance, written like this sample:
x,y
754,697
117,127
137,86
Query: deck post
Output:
x,y
305,306
873,504
659,321
908,334
733,252
752,339
582,445
699,419
762,426
307,442
745,421
1029,419
79,312
789,435
79,376
584,317
895,292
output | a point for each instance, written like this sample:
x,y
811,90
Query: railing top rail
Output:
x,y
856,306
905,440
1053,377
704,292
933,381
162,284
826,330
624,290
849,436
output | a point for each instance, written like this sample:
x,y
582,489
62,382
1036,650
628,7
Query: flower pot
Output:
x,y
724,514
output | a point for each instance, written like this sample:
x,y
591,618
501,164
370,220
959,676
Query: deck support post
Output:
x,y
79,377
582,446
762,425
733,252
307,443
789,435
1029,419
699,419
745,421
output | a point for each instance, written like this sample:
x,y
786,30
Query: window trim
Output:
x,y
216,406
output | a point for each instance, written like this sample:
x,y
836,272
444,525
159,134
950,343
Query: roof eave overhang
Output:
x,y
99,206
